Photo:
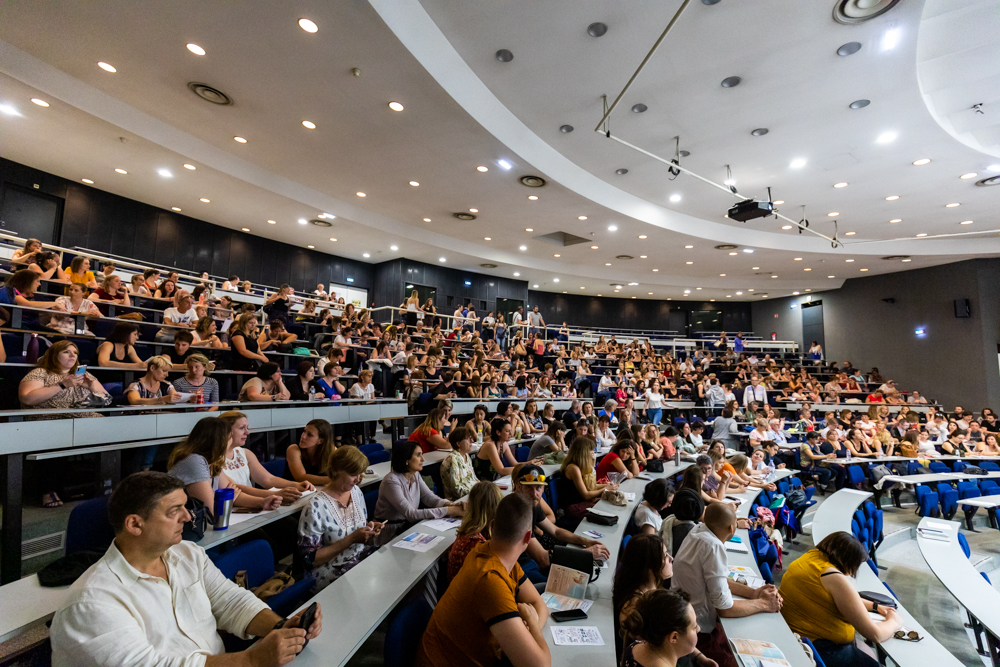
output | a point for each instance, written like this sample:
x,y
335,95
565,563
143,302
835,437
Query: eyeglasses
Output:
x,y
533,477
911,636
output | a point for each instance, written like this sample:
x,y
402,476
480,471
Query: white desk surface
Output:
x,y
935,477
25,604
985,501
767,627
949,564
835,514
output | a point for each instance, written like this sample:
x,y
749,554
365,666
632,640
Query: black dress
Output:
x,y
237,361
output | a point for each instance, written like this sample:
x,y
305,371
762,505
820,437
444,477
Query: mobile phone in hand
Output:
x,y
308,616
568,615
81,370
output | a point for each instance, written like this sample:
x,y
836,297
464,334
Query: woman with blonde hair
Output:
x,y
479,513
111,290
241,466
307,460
411,306
428,434
579,489
196,380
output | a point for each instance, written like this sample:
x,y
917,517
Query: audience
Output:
x,y
19,290
428,434
196,380
306,460
181,316
267,386
669,628
656,497
117,350
153,388
495,458
243,468
79,272
244,353
303,383
74,304
403,496
480,511
111,290
457,474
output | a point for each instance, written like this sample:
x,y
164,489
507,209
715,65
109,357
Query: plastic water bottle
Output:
x,y
517,433
312,393
479,434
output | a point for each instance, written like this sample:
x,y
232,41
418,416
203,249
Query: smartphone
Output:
x,y
568,615
81,370
308,616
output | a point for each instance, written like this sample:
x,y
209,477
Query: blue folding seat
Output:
x,y
938,467
949,500
989,466
927,501
256,558
277,467
855,476
89,528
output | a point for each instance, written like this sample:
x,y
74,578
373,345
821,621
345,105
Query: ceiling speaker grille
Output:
x,y
464,216
851,12
532,181
210,94
321,223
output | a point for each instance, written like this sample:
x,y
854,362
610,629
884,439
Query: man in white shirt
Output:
x,y
755,392
233,284
916,398
154,599
701,569
888,386
776,432
517,319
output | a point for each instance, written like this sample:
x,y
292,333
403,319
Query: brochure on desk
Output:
x,y
565,589
756,653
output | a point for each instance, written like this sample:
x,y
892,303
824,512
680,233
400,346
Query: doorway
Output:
x,y
30,214
423,293
507,308
812,324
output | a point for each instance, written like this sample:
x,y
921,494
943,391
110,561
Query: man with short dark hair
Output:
x,y
490,604
154,599
181,350
446,388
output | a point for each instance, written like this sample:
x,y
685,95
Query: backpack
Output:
x,y
796,498
878,472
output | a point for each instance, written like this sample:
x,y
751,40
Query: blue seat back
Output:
x,y
765,573
255,557
371,497
968,490
855,475
959,466
816,658
912,466
406,627
522,453
938,466
277,467
989,466
89,528
927,501
371,448
378,457
988,487
964,543
949,498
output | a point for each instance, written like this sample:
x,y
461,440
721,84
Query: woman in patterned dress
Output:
x,y
334,527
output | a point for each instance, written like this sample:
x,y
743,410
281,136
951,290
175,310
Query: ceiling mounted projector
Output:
x,y
748,209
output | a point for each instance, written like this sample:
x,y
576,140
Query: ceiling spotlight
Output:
x,y
633,284
748,250
675,198
555,280
272,222
427,219
642,236
786,226
473,210
165,173
895,220
639,108
778,202
207,201
643,256
992,167
952,205
849,49
395,106
557,255
833,214
731,81
394,247
797,163
583,217
311,247
612,228
175,208
688,247
607,264
892,198
309,124
565,129
487,238
966,222
689,262
656,270
308,25
41,103
890,39
759,132
504,55
921,235
848,260
886,137
907,260
106,67
524,247
121,171
732,254
246,229
414,183
621,172
516,274
533,197
535,286
860,104
807,269
333,239
506,166
87,180
239,140
831,276
687,291
482,169
850,233
195,49
840,185
593,247
971,174
190,166
797,259
921,161
361,194
597,29
529,229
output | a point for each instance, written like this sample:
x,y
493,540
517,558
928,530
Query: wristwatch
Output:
x,y
280,624
875,607
61,385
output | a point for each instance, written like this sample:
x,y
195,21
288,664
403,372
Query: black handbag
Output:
x,y
654,465
201,517
601,519
881,599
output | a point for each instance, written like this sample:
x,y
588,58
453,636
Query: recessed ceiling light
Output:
x,y
633,284
524,247
333,239
840,185
687,291
759,132
848,260
246,229
849,49
688,247
414,183
741,293
966,222
106,67
797,259
886,137
487,238
689,262
557,255
583,217
165,173
751,289
892,198
504,55
860,104
922,234
621,172
607,263
505,165
272,222
482,168
642,236
195,49
731,81
309,124
516,274
239,140
642,256
773,276
675,198
922,161
864,269
833,214
207,201
748,250
87,180
732,253
535,286
39,102
361,194
308,25
555,280
755,268
190,166
533,197
831,276
473,210
786,226
895,220
365,254
907,260
395,106
528,229
713,300
612,228
639,108
121,171
722,275
778,202
993,167
971,174
890,39
633,297
807,269
953,205
427,219
797,163
303,221
311,247
656,270
593,247
850,233
565,129
175,208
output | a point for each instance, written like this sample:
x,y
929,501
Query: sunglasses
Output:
x,y
911,636
533,477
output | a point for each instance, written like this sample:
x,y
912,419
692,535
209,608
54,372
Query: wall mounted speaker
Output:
x,y
963,308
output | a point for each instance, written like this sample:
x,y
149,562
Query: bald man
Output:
x,y
701,569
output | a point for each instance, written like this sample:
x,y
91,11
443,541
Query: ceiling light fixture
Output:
x,y
106,67
688,247
195,49
207,201
597,29
309,124
895,220
731,82
759,132
593,247
87,180
516,274
886,137
642,256
487,238
506,166
361,194
921,162
524,247
473,210
798,163
778,202
246,229
921,235
639,108
555,280
850,233
165,173
121,171
427,219
414,183
365,254
504,55
333,239
971,174
557,255
482,169
607,263
535,286
311,247
849,49
41,103
732,254
797,259
907,260
689,262
621,172
190,166
583,217
565,129
239,140
953,205
993,167
840,185
272,222
175,208
612,228
966,222
892,198
833,214
675,198
786,226
308,25
864,269
395,106
848,260
860,104
642,236
748,250
533,197
529,229
890,39
656,270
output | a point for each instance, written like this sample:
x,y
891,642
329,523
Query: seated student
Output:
x,y
73,304
117,350
738,466
333,356
196,380
528,480
29,253
580,490
275,338
205,335
820,602
480,511
364,390
656,497
247,287
718,482
304,380
233,284
329,385
334,530
178,317
19,289
181,350
551,445
267,386
701,569
620,459
446,388
955,444
604,435
488,606
817,464
306,460
79,272
153,388
117,614
686,511
245,470
858,446
47,265
402,492
457,474
428,434
668,625
111,290
495,458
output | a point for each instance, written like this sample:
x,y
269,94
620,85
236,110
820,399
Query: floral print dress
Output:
x,y
325,521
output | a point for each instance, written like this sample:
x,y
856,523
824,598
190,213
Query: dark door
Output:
x,y
812,324
423,292
507,308
30,214
678,321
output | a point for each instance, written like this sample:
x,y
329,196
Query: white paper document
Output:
x,y
442,524
737,547
576,635
419,542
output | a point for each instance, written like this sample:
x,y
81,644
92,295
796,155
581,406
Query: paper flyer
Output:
x,y
756,653
563,603
419,542
576,635
745,576
442,524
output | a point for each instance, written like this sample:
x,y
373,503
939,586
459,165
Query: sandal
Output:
x,y
52,500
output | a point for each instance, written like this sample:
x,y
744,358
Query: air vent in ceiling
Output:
x,y
896,257
616,285
851,12
986,182
488,266
210,94
563,238
321,223
532,181
764,273
464,216
726,246
624,257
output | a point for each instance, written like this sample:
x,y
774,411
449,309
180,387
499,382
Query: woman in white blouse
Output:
x,y
654,403
334,526
244,469
604,435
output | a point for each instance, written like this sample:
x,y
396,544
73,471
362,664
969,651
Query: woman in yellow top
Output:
x,y
820,603
79,272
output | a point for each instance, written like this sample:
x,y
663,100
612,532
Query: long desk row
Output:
x,y
835,514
